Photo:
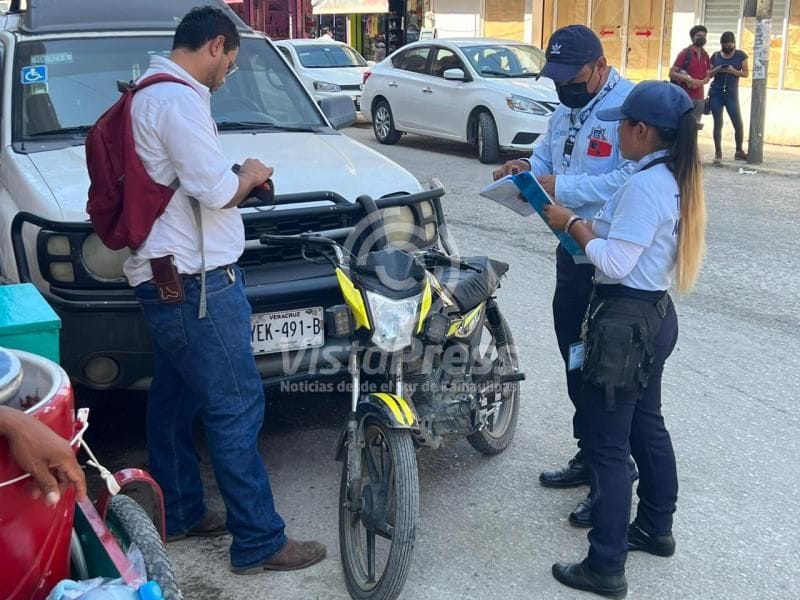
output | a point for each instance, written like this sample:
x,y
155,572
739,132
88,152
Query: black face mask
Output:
x,y
700,42
576,95
728,49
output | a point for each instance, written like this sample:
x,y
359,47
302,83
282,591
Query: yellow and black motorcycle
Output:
x,y
430,357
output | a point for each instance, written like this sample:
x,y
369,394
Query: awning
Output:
x,y
347,7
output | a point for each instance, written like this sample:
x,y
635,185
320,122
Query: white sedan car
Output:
x,y
481,91
326,67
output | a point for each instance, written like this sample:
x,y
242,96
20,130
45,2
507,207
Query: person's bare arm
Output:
x,y
744,72
38,450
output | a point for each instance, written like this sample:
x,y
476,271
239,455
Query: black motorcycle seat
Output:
x,y
469,287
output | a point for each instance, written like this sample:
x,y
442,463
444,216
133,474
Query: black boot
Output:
x,y
580,576
574,474
582,515
658,545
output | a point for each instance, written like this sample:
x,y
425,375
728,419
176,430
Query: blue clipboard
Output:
x,y
533,192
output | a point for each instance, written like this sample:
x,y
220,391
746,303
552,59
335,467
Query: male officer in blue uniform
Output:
x,y
579,163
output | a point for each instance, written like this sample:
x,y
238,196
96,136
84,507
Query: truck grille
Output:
x,y
291,224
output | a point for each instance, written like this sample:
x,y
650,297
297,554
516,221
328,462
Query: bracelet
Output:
x,y
571,222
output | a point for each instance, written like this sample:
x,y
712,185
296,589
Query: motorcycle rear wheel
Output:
x,y
500,348
389,463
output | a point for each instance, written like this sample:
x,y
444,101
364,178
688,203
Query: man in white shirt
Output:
x,y
203,364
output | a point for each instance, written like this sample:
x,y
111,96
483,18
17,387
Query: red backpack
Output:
x,y
124,201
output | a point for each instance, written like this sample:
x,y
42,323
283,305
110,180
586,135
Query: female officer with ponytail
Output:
x,y
647,237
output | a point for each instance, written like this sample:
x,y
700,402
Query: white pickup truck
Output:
x,y
61,63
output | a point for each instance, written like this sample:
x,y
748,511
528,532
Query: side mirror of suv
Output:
x,y
454,75
340,111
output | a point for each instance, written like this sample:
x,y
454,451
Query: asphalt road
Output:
x,y
487,530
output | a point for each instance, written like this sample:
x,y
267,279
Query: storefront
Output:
x,y
783,73
784,48
375,28
279,19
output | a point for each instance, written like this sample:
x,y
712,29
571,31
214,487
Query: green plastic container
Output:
x,y
27,322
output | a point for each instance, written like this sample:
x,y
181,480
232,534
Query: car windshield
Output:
x,y
322,56
64,85
512,60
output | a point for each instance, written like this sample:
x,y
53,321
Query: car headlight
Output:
x,y
394,321
101,262
526,105
398,224
324,86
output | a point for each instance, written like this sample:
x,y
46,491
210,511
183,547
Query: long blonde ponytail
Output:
x,y
692,230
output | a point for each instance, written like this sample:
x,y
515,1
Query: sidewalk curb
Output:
x,y
760,169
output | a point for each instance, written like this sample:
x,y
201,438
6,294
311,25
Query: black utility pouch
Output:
x,y
619,346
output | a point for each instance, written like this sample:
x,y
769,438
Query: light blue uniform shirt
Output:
x,y
645,211
593,175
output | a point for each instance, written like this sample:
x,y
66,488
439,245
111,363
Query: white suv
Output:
x,y
60,71
481,91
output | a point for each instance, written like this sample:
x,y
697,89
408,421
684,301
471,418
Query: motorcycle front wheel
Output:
x,y
376,537
497,349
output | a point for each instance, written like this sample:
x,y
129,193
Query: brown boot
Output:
x,y
212,525
293,556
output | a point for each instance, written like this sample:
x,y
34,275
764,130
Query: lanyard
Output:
x,y
582,117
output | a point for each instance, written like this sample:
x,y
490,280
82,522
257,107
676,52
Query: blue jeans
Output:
x,y
729,100
635,428
205,368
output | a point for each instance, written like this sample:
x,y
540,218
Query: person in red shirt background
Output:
x,y
692,70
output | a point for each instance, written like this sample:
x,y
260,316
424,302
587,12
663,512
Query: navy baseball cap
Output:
x,y
656,103
568,49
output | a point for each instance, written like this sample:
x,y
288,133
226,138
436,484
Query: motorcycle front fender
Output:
x,y
395,412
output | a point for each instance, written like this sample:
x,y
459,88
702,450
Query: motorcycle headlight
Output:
x,y
101,262
324,86
394,321
526,105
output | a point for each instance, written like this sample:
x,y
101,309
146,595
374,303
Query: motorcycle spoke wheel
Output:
x,y
503,399
376,539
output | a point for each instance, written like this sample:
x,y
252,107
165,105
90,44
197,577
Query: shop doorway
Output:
x,y
504,19
636,34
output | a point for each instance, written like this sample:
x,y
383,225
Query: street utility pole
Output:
x,y
762,11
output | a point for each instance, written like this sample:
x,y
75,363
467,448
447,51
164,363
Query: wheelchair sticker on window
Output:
x,y
35,74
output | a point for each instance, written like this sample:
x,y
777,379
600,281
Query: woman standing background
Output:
x,y
729,65
650,235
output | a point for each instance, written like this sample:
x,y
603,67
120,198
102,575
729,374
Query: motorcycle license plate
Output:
x,y
287,330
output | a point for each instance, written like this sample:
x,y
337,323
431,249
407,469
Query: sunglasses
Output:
x,y
232,68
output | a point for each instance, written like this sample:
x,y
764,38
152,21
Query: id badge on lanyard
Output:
x,y
582,117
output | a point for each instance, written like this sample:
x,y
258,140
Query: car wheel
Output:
x,y
383,124
488,144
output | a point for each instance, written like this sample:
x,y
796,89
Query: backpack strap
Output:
x,y
687,58
198,217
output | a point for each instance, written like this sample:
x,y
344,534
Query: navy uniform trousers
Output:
x,y
571,297
636,427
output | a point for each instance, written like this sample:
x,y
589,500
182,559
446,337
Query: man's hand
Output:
x,y
256,171
557,215
44,454
252,173
511,167
548,182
